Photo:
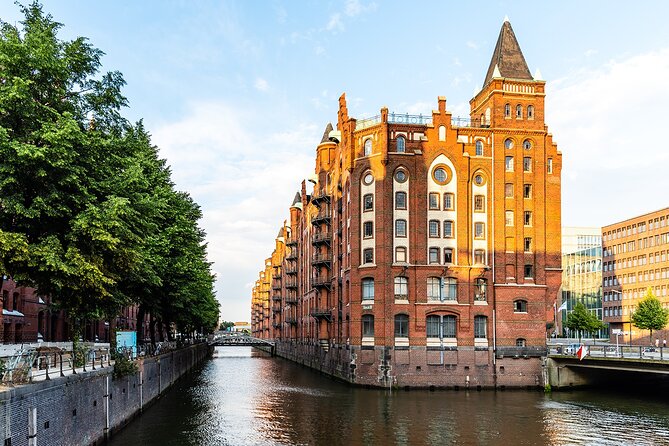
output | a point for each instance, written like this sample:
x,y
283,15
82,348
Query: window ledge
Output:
x,y
402,301
480,302
367,265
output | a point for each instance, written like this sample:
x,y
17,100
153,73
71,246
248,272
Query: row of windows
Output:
x,y
633,245
660,256
436,326
653,223
519,111
434,226
527,164
448,201
510,219
400,201
637,293
641,276
509,190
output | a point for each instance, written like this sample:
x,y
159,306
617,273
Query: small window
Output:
x,y
433,198
528,244
527,164
449,200
368,255
481,290
520,342
479,148
508,218
401,254
480,327
530,112
478,179
520,306
401,288
479,230
527,144
400,200
479,203
529,271
508,190
433,226
400,228
549,166
441,175
401,326
507,110
368,325
527,191
448,255
368,202
433,254
368,146
508,164
368,179
508,143
527,218
400,176
448,228
479,257
519,111
442,133
367,289
368,229
400,144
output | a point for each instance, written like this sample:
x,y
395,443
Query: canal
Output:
x,y
244,397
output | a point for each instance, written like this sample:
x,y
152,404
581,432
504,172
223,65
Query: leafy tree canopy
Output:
x,y
581,320
649,314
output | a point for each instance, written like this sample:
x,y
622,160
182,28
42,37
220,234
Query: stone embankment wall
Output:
x,y
85,409
418,367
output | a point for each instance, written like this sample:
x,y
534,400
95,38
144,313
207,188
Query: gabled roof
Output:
x,y
507,58
280,233
328,129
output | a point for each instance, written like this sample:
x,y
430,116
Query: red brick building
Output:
x,y
428,251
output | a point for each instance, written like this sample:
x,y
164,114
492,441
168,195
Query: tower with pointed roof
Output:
x,y
425,249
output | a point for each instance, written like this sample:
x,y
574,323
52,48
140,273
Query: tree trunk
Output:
x,y
141,312
152,330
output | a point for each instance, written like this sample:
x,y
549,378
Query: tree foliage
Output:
x,y
649,314
89,213
583,321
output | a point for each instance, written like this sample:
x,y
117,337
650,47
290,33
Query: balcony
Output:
x,y
322,197
321,282
320,238
292,255
291,284
276,286
291,300
277,297
321,259
276,309
291,321
323,216
321,313
291,271
291,242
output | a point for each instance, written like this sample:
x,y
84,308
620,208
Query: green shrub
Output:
x,y
124,367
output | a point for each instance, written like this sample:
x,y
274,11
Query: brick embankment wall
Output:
x,y
417,367
84,409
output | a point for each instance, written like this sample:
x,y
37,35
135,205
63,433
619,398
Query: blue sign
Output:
x,y
126,342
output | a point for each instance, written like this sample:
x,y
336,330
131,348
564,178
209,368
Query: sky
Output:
x,y
236,94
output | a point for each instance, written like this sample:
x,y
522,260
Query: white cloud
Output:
x,y
354,8
608,123
335,24
472,44
244,178
261,84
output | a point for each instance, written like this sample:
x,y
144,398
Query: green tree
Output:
x,y
225,325
583,321
649,314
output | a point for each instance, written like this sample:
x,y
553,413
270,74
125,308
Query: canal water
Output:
x,y
244,397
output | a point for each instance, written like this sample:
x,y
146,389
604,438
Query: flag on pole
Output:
x,y
582,352
563,306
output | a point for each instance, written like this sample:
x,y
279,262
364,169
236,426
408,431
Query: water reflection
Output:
x,y
243,397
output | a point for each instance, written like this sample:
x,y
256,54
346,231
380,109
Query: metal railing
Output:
x,y
614,352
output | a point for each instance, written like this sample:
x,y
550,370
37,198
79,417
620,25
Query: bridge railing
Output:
x,y
614,352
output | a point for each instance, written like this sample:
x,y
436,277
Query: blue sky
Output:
x,y
237,94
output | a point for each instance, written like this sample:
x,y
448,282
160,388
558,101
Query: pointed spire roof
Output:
x,y
507,59
297,199
326,133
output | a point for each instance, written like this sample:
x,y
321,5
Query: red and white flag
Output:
x,y
582,352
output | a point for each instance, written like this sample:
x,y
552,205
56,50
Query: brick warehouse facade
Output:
x,y
428,252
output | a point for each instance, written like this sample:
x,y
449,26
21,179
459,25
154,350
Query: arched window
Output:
x,y
401,288
507,110
520,342
482,123
441,326
442,133
448,228
368,146
367,325
530,112
400,228
433,226
479,148
519,111
400,144
442,288
527,144
520,306
508,143
401,326
367,289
